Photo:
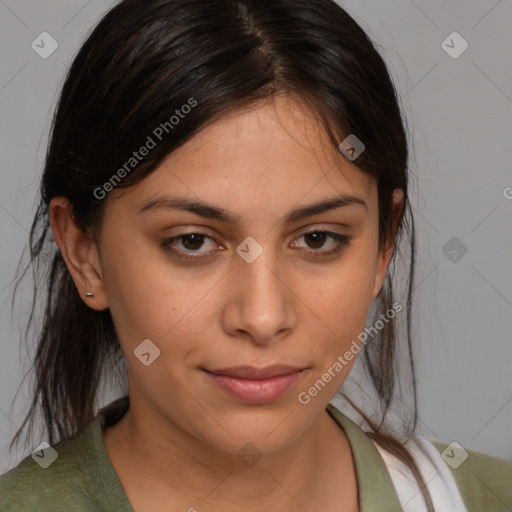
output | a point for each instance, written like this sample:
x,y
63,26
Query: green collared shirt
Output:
x,y
82,478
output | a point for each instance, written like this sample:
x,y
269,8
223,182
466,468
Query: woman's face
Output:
x,y
254,289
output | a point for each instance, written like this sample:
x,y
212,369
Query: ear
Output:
x,y
386,254
80,253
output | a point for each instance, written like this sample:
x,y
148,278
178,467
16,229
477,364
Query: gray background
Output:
x,y
460,117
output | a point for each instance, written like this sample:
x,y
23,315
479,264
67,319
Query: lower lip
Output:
x,y
255,391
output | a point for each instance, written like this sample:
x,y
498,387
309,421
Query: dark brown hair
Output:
x,y
142,61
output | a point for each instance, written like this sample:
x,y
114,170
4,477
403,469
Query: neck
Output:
x,y
179,466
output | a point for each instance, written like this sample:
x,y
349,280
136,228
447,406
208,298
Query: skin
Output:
x,y
176,447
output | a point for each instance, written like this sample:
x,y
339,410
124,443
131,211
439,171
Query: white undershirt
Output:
x,y
436,473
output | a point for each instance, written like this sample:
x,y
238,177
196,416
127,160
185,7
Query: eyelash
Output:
x,y
341,241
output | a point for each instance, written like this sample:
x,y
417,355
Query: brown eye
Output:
x,y
189,245
193,241
316,240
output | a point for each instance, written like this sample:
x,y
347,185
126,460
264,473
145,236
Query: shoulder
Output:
x,y
484,481
50,479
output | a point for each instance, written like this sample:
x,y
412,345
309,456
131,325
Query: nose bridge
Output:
x,y
260,278
262,300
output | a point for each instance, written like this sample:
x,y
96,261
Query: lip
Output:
x,y
251,372
255,385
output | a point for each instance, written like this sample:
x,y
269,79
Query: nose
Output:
x,y
261,304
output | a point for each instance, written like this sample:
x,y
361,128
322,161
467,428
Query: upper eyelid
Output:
x,y
300,232
300,235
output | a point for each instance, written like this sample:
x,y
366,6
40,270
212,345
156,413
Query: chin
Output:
x,y
262,429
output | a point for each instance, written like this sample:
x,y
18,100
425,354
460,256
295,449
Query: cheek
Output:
x,y
157,301
342,302
344,297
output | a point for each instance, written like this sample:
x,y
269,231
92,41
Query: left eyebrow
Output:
x,y
209,211
324,206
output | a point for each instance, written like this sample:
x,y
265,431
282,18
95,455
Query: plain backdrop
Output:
x,y
459,110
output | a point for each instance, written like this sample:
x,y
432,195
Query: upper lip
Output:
x,y
250,372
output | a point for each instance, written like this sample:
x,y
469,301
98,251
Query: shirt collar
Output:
x,y
376,490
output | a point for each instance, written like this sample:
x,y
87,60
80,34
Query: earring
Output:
x,y
89,294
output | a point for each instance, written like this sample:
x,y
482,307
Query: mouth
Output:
x,y
250,372
255,385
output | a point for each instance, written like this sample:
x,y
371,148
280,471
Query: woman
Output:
x,y
227,187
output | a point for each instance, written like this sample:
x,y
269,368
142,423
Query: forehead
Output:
x,y
269,153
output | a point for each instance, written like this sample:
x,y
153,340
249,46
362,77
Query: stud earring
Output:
x,y
89,294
